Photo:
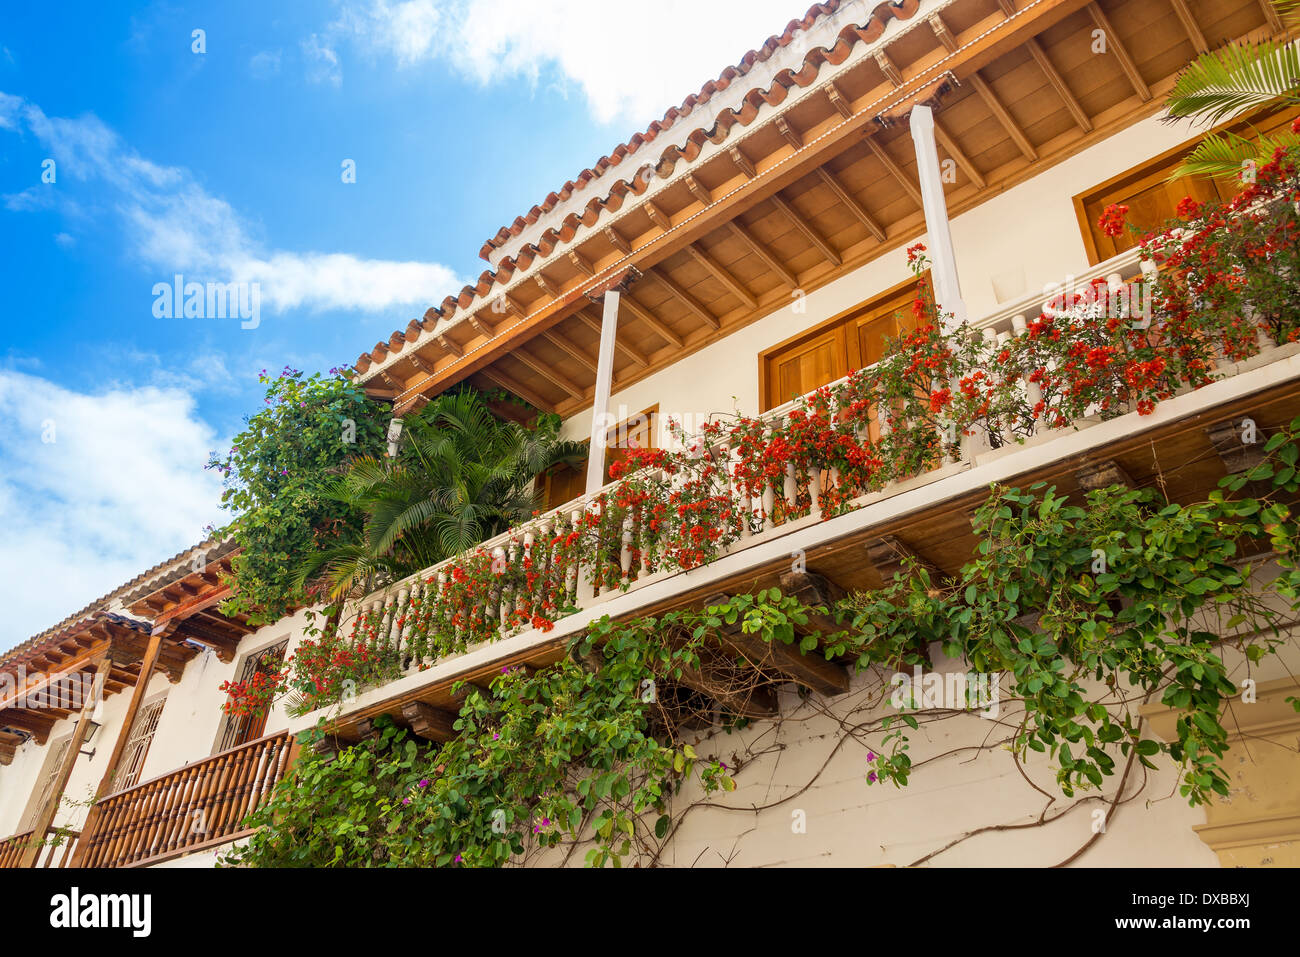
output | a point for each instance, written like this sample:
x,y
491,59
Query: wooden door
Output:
x,y
805,365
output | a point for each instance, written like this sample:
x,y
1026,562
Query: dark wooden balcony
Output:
x,y
199,806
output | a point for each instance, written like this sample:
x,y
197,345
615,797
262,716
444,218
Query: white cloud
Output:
x,y
175,225
120,488
264,64
322,61
632,60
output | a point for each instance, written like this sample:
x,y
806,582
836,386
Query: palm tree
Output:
x,y
461,477
1223,83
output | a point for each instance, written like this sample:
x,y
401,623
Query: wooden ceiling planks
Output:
x,y
1042,97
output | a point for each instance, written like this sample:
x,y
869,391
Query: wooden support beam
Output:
x,y
46,815
1116,46
839,101
36,723
1003,116
419,364
657,325
1229,441
850,203
657,216
451,347
518,388
952,149
617,241
571,349
713,268
789,132
479,326
1190,25
743,162
698,190
811,670
545,284
1058,83
1097,475
594,324
942,33
581,263
1008,7
889,68
815,591
147,663
689,301
546,372
1272,16
888,554
428,722
810,234
894,170
763,253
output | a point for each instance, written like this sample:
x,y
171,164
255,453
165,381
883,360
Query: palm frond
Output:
x,y
1223,83
1226,156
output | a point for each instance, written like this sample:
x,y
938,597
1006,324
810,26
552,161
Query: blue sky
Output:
x,y
226,165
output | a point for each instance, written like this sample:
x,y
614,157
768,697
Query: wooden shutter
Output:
x,y
137,745
1151,200
829,351
49,775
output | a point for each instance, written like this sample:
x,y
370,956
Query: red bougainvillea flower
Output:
x,y
1188,208
915,253
1112,219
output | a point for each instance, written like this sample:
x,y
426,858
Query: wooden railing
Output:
x,y
199,806
55,850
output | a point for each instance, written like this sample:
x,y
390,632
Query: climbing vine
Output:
x,y
1086,609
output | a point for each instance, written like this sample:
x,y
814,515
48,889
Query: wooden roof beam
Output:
x,y
657,325
850,203
508,383
1271,15
1190,25
1058,83
1003,116
594,324
952,149
714,269
1116,46
743,162
762,252
571,349
812,670
810,234
894,170
543,370
686,299
839,101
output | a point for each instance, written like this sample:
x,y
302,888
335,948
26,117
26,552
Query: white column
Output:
x,y
600,424
947,290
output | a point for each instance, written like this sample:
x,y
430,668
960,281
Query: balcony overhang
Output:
x,y
804,193
1176,448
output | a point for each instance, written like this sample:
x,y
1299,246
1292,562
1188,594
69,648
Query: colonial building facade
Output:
x,y
745,251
